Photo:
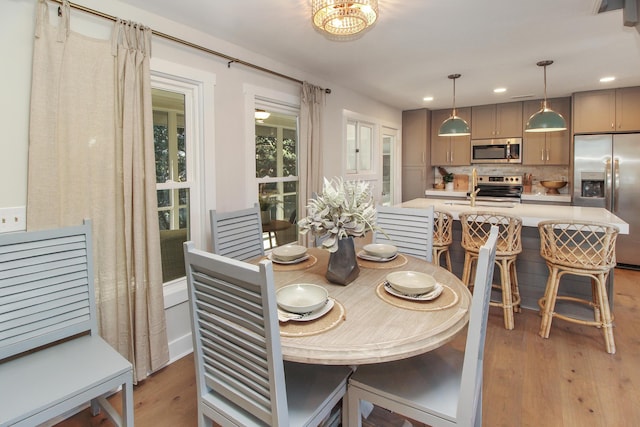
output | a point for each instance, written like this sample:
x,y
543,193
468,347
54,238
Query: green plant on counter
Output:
x,y
448,177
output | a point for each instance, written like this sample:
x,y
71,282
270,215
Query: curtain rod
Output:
x,y
231,59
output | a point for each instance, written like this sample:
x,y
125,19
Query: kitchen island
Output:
x,y
531,267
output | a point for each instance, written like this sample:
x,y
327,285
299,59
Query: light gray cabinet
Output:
x,y
497,121
547,148
416,170
449,150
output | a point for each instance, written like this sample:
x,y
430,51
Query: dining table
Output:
x,y
367,324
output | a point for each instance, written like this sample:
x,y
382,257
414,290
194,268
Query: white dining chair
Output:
x,y
240,375
442,387
237,234
409,229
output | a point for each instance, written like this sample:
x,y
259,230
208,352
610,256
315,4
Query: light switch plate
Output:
x,y
13,219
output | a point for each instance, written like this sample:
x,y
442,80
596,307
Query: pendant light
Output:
x,y
454,125
545,120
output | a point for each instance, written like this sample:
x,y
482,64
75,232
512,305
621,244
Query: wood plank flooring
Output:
x,y
567,380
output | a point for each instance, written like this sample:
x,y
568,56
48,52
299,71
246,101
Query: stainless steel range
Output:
x,y
499,188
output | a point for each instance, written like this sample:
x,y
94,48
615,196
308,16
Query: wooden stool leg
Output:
x,y
466,271
515,289
447,258
549,302
605,313
507,303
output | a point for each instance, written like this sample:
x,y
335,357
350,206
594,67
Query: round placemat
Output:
x,y
327,322
448,298
309,262
398,261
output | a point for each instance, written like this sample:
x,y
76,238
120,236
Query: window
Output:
x,y
360,147
276,150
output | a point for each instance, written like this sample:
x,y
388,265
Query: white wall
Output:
x,y
233,180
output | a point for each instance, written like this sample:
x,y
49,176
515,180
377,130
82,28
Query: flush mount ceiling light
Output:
x,y
454,125
261,114
343,18
545,120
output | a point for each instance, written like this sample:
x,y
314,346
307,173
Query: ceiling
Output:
x,y
415,44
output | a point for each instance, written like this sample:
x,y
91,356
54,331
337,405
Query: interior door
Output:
x,y
389,183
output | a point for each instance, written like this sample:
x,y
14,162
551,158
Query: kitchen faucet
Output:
x,y
474,184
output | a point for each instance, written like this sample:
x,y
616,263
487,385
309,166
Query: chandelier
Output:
x,y
343,18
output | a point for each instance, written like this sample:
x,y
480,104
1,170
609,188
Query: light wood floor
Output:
x,y
567,380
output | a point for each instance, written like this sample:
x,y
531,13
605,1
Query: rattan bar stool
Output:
x,y
475,231
442,237
582,249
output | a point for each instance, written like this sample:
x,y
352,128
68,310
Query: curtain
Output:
x,y
311,117
91,156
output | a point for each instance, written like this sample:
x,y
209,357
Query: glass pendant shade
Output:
x,y
454,126
545,120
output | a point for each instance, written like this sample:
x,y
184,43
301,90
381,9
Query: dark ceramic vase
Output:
x,y
343,265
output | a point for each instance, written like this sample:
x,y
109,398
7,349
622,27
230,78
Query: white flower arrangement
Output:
x,y
344,209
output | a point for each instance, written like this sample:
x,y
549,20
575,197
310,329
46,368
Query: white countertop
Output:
x,y
531,214
559,198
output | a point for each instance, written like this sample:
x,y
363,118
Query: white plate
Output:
x,y
285,316
367,257
301,297
380,250
435,293
293,261
289,252
411,282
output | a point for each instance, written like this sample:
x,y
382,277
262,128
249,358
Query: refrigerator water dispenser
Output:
x,y
592,184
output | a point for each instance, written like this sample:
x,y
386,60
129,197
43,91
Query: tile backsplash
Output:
x,y
539,173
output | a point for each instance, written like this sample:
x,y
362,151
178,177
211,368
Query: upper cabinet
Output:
x,y
614,110
497,121
450,150
547,148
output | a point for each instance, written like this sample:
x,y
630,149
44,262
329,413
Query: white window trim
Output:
x,y
198,87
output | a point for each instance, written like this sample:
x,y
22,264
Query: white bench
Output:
x,y
52,359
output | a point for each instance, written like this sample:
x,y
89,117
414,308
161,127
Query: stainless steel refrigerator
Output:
x,y
607,175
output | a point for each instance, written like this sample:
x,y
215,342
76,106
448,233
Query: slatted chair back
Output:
x,y
46,288
237,234
236,337
470,400
409,229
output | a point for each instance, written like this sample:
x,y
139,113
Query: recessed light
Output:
x,y
428,98
500,90
607,79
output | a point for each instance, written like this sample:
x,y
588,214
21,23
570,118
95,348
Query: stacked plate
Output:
x,y
413,285
289,254
379,252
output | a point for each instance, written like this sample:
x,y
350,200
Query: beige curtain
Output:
x,y
91,156
311,118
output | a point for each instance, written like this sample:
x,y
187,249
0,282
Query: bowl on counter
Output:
x,y
301,298
553,186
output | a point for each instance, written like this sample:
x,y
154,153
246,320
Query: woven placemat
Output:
x,y
398,261
309,262
327,322
448,298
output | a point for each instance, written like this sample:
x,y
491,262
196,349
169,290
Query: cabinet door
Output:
x,y
628,109
559,143
413,183
509,120
594,111
483,122
415,125
460,151
449,150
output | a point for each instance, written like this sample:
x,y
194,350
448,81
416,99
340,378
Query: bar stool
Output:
x,y
583,249
442,237
475,231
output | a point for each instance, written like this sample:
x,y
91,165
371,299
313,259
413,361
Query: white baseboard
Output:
x,y
180,347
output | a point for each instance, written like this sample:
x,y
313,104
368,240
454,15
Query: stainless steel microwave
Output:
x,y
504,150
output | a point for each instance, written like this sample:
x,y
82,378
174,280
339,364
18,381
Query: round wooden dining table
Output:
x,y
366,323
